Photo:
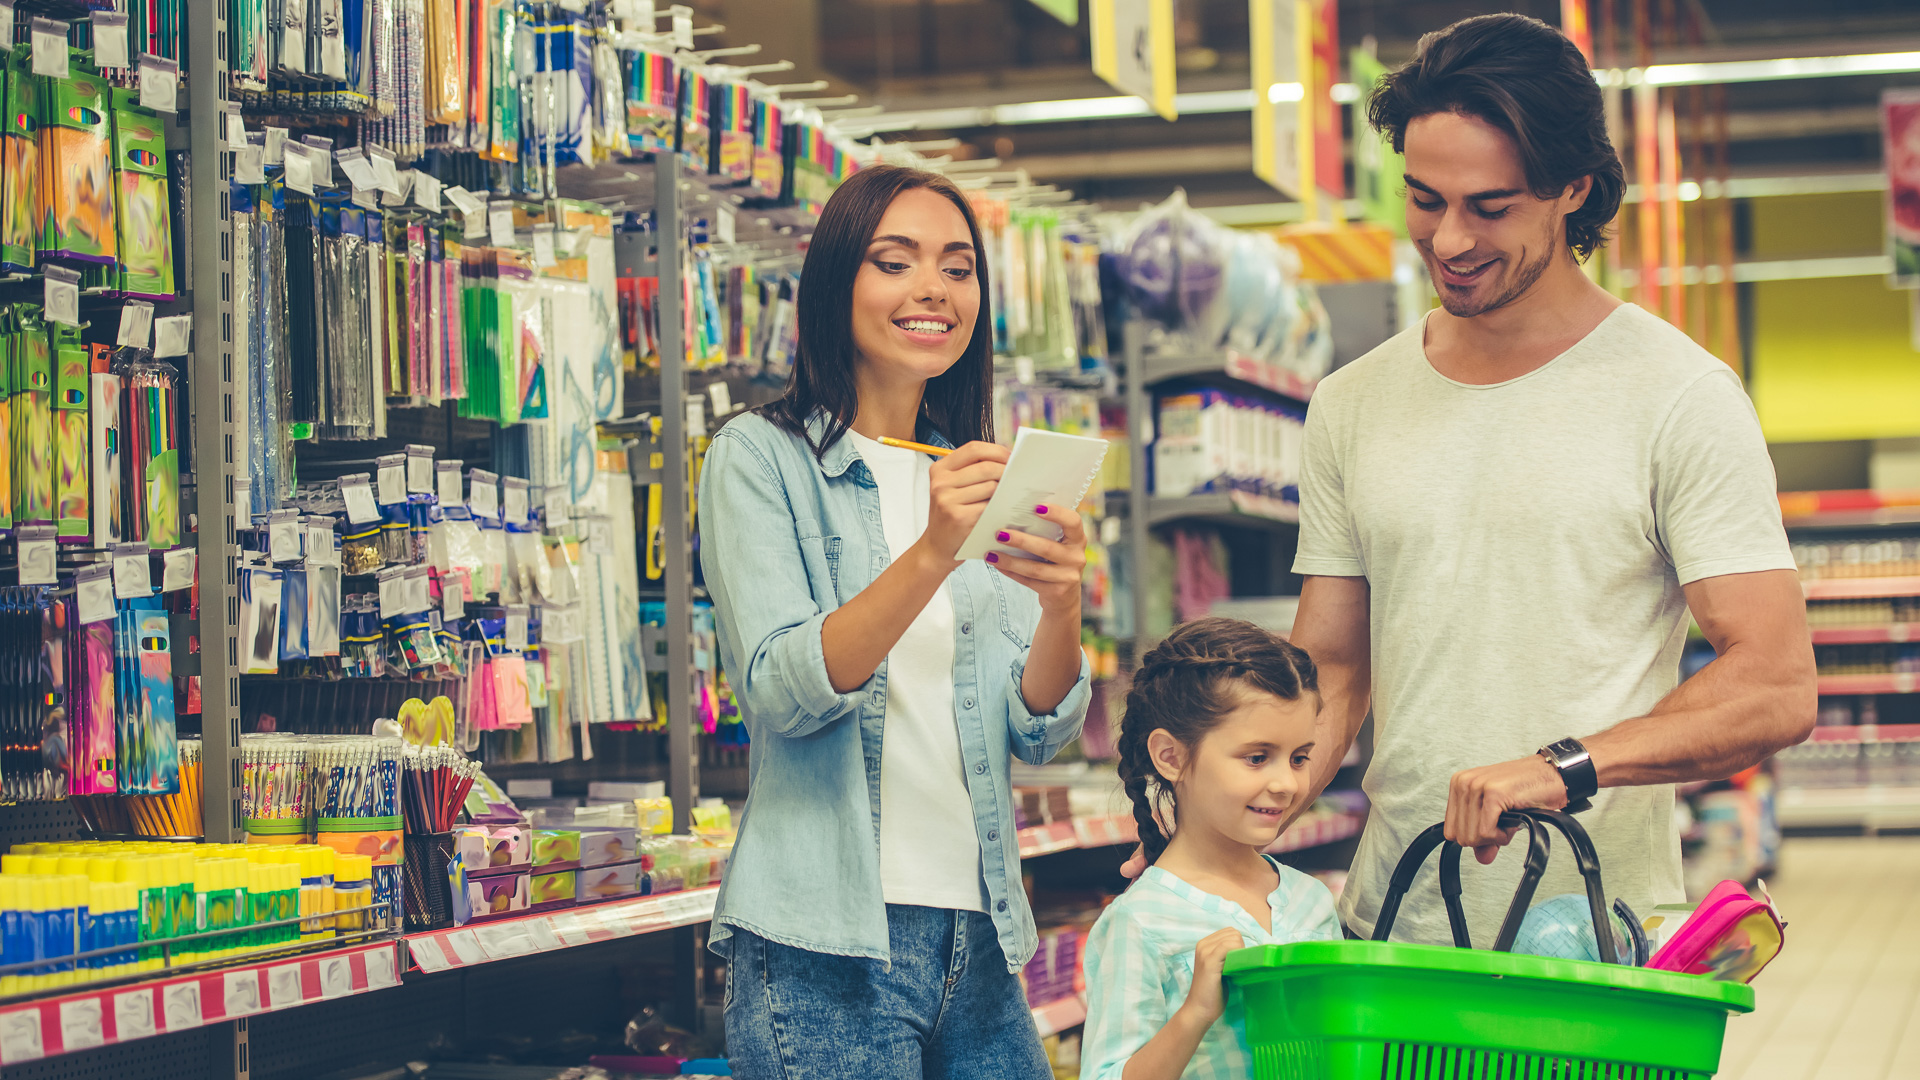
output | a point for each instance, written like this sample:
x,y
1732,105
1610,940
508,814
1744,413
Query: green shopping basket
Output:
x,y
1346,1010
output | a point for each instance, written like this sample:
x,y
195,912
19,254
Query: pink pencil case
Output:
x,y
1730,937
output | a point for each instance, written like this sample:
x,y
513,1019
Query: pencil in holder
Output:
x,y
428,903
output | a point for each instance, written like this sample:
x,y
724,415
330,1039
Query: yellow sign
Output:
x,y
1133,49
1282,127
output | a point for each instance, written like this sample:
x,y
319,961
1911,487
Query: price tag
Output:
x,y
446,482
320,547
380,969
359,496
544,939
404,181
366,198
283,986
159,83
336,977
393,592
299,174
426,192
418,590
556,505
517,628
136,324
283,536
250,165
683,29
503,940
722,398
320,155
391,476
561,625
80,1027
500,226
386,176
466,947
36,551
110,40
453,601
473,226
483,493
242,993
464,201
723,227
6,23
180,1004
49,37
132,574
513,498
20,1036
420,470
177,569
93,589
429,957
61,294
236,127
543,246
171,336
354,164
276,147
133,1015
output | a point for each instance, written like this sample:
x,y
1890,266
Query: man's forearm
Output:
x,y
1731,714
1332,627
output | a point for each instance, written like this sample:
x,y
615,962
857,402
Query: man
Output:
x,y
1508,510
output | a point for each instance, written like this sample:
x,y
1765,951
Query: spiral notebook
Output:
x,y
1047,468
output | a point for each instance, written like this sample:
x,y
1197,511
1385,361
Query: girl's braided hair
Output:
x,y
1185,685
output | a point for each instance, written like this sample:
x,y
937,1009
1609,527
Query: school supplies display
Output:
x,y
437,781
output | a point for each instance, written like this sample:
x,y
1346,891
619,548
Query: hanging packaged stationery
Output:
x,y
90,709
109,521
20,208
8,336
302,319
733,116
446,93
769,138
76,146
72,435
141,200
503,141
695,142
149,756
653,102
31,406
452,267
151,476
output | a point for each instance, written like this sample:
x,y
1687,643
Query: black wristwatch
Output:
x,y
1576,769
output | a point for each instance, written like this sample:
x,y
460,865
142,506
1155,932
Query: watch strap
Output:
x,y
1570,758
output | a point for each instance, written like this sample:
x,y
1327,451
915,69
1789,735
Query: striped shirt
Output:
x,y
1140,966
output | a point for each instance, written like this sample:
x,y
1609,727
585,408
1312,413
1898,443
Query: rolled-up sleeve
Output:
x,y
1126,1005
1036,737
767,620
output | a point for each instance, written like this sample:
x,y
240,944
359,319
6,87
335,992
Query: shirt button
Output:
x,y
1001,906
979,769
968,703
992,835
966,628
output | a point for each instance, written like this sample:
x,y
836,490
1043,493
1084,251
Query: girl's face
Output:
x,y
916,297
1246,773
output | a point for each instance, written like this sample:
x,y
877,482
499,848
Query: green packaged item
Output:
x,y
19,166
141,200
8,335
76,149
31,413
72,434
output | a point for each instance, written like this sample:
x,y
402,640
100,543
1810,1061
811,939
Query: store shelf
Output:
x,y
1866,733
1866,635
1224,508
1857,807
1897,682
1057,1016
118,1014
1267,377
504,939
1860,588
1316,829
1855,519
1087,832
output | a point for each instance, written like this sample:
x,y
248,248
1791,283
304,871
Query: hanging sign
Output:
x,y
1900,128
1323,70
1378,170
1280,149
1133,49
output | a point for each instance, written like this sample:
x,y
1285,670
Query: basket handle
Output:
x,y
1539,847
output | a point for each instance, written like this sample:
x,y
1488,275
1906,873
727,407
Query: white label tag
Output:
x,y
380,969
171,336
447,482
20,1036
250,165
80,1026
483,494
366,198
242,993
453,604
61,294
320,156
132,575
159,84
393,593
49,37
426,192
516,631
463,200
466,946
236,128
723,224
320,547
683,30
299,175
6,23
136,324
418,591
359,172
180,1003
420,471
392,478
543,246
360,505
133,1015
37,562
544,939
403,181
276,148
336,977
385,176
556,506
177,569
110,40
283,986
514,500
93,588
722,398
500,226
283,539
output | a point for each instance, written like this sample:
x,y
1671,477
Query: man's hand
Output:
x,y
1477,798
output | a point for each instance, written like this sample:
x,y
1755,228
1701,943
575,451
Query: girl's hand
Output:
x,y
1207,998
959,486
1056,578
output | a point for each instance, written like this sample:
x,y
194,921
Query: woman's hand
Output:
x,y
1207,999
959,486
1056,576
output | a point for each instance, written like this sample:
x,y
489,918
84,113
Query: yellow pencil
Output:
x,y
936,451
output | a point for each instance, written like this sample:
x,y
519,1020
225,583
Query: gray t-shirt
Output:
x,y
1525,543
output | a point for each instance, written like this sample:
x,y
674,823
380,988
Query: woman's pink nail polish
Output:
x,y
993,556
1041,510
1003,536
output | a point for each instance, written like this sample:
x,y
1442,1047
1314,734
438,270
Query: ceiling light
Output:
x,y
1689,191
1285,91
1791,67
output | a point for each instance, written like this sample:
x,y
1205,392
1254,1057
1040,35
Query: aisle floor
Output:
x,y
1843,1000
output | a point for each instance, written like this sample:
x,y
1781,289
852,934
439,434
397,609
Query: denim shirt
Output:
x,y
785,539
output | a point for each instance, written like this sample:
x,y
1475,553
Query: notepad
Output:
x,y
1047,468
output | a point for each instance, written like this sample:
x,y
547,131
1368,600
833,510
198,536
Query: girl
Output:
x,y
873,909
1217,735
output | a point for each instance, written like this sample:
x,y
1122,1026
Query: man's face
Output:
x,y
1485,237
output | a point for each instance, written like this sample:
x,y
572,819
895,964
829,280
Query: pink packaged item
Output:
x,y
1731,937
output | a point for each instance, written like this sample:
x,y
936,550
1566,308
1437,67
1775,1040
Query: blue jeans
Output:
x,y
948,1010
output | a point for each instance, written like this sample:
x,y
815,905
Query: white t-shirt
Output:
x,y
1525,543
929,852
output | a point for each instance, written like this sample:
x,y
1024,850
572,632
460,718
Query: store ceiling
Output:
x,y
915,55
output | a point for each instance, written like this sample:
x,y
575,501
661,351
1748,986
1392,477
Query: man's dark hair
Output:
x,y
1525,78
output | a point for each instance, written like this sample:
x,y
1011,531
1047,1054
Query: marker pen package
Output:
x,y
109,517
653,102
149,753
732,111
141,200
769,162
95,758
72,434
696,130
20,208
31,404
76,146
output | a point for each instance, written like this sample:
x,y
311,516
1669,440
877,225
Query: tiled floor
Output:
x,y
1843,1000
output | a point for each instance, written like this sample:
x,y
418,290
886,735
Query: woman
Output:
x,y
873,909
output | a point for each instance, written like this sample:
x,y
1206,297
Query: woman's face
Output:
x,y
916,297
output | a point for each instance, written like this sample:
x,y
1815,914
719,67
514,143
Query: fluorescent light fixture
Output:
x,y
1790,67
1761,187
1285,91
1774,270
1046,112
1069,110
1689,191
1344,93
